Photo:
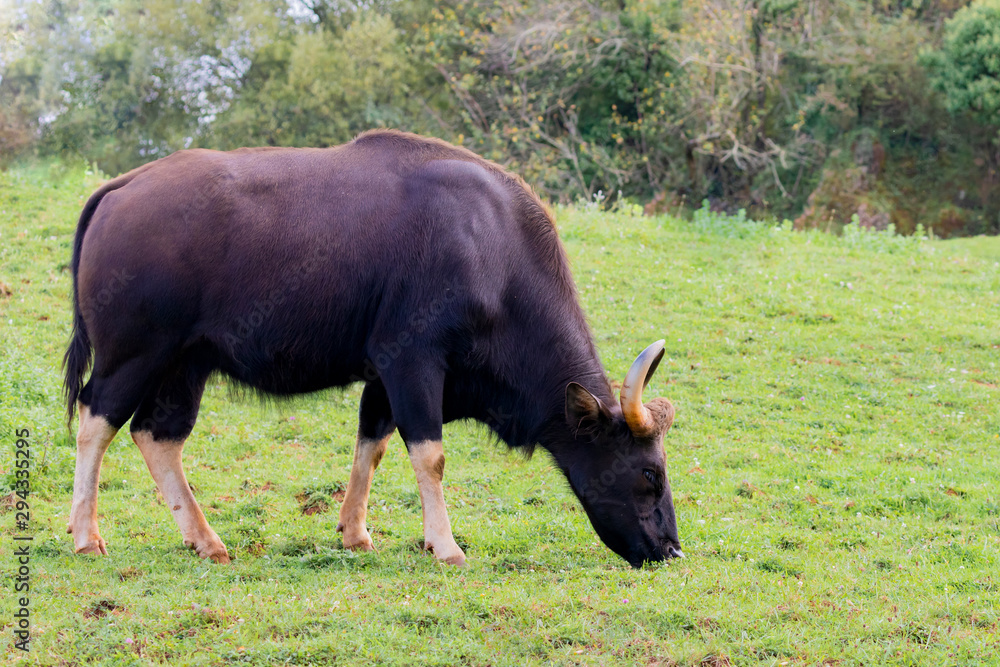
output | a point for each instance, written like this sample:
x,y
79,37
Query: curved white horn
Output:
x,y
638,418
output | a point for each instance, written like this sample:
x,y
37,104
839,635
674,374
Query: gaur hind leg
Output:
x,y
106,402
160,426
92,440
375,427
415,394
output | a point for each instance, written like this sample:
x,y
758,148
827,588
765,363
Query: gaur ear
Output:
x,y
582,406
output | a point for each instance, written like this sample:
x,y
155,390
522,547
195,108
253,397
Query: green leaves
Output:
x,y
967,68
324,88
745,102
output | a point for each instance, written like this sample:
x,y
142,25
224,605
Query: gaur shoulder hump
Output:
x,y
432,148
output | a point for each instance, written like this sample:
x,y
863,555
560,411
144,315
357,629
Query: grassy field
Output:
x,y
834,464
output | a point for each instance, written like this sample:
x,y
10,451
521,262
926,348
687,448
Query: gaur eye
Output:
x,y
651,477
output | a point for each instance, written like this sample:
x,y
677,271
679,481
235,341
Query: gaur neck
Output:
x,y
554,349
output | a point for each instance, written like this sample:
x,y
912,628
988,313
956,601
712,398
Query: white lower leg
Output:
x,y
163,458
353,512
92,440
427,459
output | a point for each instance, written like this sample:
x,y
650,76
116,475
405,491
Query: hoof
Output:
x,y
364,544
221,558
94,546
356,541
217,553
456,560
453,556
214,550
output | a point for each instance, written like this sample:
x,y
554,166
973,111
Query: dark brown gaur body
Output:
x,y
430,274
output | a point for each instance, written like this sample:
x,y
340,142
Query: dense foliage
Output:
x,y
885,109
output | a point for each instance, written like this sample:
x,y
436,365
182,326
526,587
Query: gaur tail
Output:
x,y
79,355
76,362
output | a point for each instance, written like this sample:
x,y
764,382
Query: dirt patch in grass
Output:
x,y
101,608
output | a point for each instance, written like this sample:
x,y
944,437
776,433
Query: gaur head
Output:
x,y
618,468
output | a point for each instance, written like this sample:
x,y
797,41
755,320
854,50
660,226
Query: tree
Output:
x,y
734,102
123,82
968,64
323,84
555,90
967,70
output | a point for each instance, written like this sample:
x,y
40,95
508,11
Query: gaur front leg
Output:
x,y
375,427
427,458
92,440
415,393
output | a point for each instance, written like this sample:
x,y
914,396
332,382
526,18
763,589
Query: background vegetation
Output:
x,y
833,463
808,109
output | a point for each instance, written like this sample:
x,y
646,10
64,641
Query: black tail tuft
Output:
x,y
76,362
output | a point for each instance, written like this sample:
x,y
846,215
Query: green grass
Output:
x,y
834,463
